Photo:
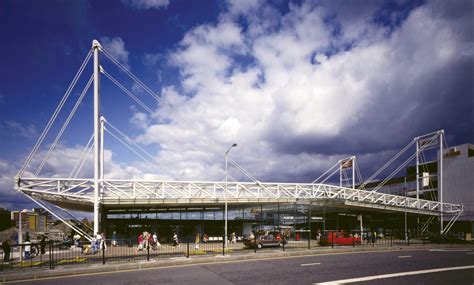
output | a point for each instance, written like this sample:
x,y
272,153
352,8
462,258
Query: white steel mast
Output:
x,y
97,178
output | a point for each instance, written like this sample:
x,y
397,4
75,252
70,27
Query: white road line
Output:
x,y
400,274
449,250
309,264
404,256
470,252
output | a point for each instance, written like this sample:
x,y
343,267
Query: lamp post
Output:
x,y
225,195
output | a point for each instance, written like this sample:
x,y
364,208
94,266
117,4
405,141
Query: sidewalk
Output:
x,y
74,270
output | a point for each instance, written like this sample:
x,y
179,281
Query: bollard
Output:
x,y
391,239
332,239
103,252
353,241
187,250
284,241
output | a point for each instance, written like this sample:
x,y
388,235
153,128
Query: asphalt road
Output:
x,y
303,270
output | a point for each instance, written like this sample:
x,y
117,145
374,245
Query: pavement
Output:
x,y
85,269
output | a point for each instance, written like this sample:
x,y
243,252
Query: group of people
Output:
x,y
97,243
29,249
147,240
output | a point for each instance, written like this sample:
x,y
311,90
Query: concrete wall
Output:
x,y
458,180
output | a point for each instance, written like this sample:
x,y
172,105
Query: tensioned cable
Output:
x,y
401,166
131,149
132,142
359,175
143,105
162,101
329,176
84,151
55,114
139,102
84,160
322,175
66,123
386,165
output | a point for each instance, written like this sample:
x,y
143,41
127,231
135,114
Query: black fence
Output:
x,y
54,254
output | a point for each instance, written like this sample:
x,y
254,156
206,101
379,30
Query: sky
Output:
x,y
297,85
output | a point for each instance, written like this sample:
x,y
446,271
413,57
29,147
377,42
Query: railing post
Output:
x,y
187,249
103,252
223,244
255,237
148,251
51,266
309,240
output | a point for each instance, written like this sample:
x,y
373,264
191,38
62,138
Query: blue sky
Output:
x,y
297,84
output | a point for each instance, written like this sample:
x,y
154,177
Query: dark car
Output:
x,y
263,240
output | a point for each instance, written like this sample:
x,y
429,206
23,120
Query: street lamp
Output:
x,y
225,195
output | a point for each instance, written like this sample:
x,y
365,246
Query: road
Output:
x,y
453,266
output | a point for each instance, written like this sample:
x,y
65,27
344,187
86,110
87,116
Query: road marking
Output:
x,y
116,270
470,252
448,250
404,256
391,275
309,264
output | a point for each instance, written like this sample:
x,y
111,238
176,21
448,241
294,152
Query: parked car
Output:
x,y
340,238
271,239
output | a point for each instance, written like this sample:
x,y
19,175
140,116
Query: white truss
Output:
x,y
141,192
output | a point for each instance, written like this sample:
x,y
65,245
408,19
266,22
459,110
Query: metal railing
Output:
x,y
59,254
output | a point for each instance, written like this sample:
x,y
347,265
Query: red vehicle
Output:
x,y
339,238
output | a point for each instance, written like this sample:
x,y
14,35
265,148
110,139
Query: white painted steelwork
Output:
x,y
175,193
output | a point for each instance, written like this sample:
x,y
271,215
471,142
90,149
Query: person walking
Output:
x,y
175,239
103,243
6,250
197,240
27,248
140,242
234,238
114,239
43,245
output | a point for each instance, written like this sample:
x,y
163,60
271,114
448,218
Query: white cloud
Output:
x,y
298,101
15,128
116,47
147,4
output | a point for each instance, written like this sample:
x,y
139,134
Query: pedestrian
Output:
x,y
27,236
175,239
197,240
103,243
206,238
27,248
140,242
155,240
234,238
43,244
6,250
76,239
114,239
